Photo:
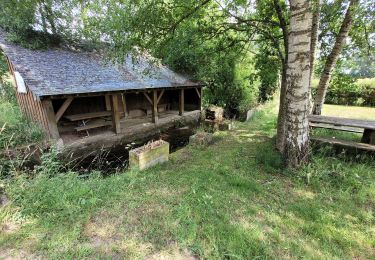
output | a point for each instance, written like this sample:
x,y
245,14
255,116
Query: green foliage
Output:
x,y
267,72
17,16
14,128
32,39
345,90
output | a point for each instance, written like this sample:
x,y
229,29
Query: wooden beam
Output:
x,y
198,92
125,105
148,98
181,106
115,114
160,96
107,102
200,98
51,119
63,108
155,117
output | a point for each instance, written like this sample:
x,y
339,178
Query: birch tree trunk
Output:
x,y
332,59
297,145
314,41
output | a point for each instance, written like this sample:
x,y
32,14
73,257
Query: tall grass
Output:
x,y
15,129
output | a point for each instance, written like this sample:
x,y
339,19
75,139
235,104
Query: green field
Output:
x,y
349,111
232,199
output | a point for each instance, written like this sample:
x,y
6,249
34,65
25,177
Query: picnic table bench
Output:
x,y
97,120
367,127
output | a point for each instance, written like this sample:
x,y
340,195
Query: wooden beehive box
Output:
x,y
149,155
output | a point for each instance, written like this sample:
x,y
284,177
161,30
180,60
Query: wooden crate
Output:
x,y
149,155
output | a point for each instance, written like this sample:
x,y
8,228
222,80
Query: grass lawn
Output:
x,y
232,200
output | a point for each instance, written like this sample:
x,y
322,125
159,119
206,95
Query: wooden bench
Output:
x,y
92,125
367,127
344,143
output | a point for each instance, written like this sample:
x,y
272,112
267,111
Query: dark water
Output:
x,y
116,159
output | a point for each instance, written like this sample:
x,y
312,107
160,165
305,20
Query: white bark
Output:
x,y
298,84
314,40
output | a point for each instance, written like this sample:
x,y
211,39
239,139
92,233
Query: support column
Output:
x,y
107,102
181,107
368,137
125,105
155,117
51,119
115,114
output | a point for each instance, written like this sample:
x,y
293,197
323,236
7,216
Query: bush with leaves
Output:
x,y
345,90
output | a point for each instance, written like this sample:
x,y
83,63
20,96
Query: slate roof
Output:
x,y
58,71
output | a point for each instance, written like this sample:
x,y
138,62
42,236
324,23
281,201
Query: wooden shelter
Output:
x,y
75,93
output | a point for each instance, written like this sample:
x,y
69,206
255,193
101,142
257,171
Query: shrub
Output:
x,y
345,90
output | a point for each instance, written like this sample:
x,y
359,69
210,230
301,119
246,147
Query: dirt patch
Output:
x,y
174,252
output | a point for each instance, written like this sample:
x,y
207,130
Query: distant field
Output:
x,y
349,111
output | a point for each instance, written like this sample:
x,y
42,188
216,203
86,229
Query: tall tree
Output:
x,y
297,147
332,58
281,119
314,41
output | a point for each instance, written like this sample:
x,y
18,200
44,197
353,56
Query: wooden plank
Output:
x,y
115,114
63,108
339,121
335,127
155,118
92,125
181,106
42,116
160,96
107,102
125,105
51,119
78,117
148,98
344,144
198,92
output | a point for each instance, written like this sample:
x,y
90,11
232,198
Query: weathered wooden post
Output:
x,y
115,114
181,102
51,119
155,118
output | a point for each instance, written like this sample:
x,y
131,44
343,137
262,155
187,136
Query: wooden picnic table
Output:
x,y
83,116
340,121
90,120
367,127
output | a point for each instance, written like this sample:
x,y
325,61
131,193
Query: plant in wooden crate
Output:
x,y
148,155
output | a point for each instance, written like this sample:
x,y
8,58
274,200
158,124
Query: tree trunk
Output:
x,y
332,59
314,41
49,16
281,125
42,17
297,145
280,137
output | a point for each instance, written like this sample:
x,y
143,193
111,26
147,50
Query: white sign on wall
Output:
x,y
21,87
